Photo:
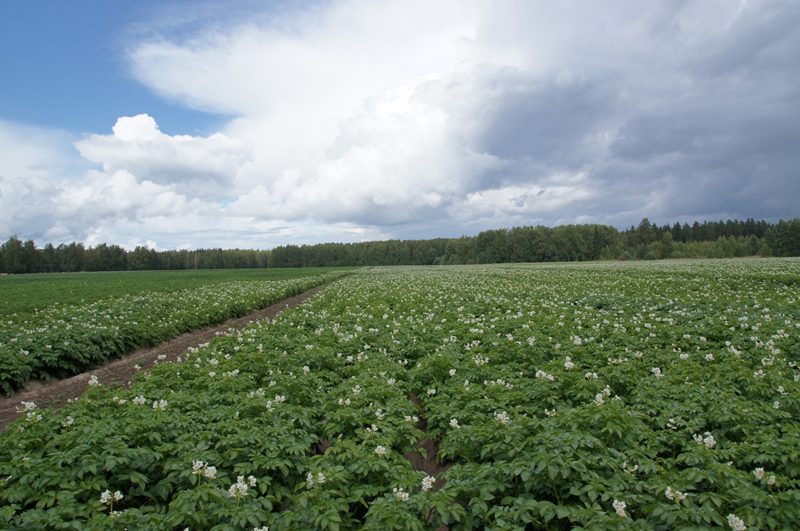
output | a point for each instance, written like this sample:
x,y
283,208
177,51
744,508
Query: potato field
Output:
x,y
64,340
597,396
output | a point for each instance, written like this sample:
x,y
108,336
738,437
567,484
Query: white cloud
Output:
x,y
358,119
101,195
32,160
137,146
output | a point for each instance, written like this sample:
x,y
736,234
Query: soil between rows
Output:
x,y
55,393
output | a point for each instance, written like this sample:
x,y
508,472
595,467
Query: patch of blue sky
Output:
x,y
63,65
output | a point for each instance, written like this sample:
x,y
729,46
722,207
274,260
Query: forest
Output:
x,y
565,243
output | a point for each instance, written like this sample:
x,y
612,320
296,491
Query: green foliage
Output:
x,y
25,295
643,395
66,340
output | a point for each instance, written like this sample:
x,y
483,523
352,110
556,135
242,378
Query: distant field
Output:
x,y
22,294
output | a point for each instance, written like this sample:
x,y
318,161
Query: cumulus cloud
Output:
x,y
501,99
146,175
33,160
138,146
357,119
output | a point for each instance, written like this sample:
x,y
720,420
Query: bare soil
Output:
x,y
426,459
55,393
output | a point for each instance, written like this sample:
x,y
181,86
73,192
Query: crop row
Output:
x,y
65,340
611,396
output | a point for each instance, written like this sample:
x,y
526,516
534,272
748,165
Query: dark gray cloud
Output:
x,y
544,120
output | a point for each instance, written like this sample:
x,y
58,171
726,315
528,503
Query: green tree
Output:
x,y
13,256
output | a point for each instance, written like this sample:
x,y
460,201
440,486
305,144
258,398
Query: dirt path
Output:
x,y
427,463
55,393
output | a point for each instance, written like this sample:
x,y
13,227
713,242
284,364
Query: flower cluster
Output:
x,y
239,489
544,376
427,483
675,495
400,494
271,405
759,473
454,424
200,468
599,398
26,406
94,381
311,479
736,523
380,450
708,440
480,360
502,417
619,506
107,498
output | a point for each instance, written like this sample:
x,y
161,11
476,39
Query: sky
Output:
x,y
251,124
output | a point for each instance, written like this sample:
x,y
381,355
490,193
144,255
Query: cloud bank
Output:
x,y
359,120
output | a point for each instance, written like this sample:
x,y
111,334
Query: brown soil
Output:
x,y
55,393
426,461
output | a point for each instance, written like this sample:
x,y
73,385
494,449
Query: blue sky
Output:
x,y
64,66
256,124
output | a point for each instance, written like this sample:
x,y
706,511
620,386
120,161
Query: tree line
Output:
x,y
565,243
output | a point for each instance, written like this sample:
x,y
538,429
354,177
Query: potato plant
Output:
x,y
593,396
63,341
